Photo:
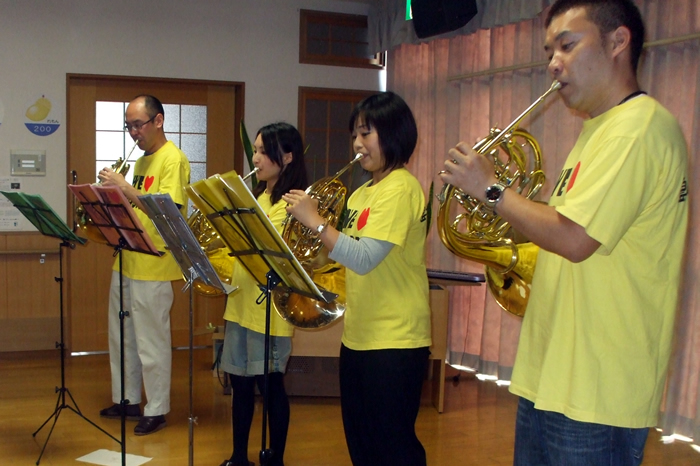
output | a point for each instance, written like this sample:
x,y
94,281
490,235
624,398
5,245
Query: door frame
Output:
x,y
87,325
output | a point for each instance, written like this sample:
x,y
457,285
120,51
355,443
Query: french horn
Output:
x,y
308,248
479,234
82,220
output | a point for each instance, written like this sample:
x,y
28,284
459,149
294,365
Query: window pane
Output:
x,y
194,119
340,115
317,47
109,145
316,114
336,39
175,137
109,116
172,118
195,147
198,171
344,33
112,142
339,154
318,31
343,49
315,156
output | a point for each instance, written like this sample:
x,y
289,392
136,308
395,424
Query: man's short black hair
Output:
x,y
152,104
608,15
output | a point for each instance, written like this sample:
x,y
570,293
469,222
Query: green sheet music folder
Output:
x,y
42,216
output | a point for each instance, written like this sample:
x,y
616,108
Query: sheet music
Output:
x,y
245,228
182,243
112,213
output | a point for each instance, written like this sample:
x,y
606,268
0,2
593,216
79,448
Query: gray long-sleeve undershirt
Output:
x,y
360,256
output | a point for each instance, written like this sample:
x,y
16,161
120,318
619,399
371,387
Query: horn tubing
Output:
x,y
136,143
556,85
357,158
252,172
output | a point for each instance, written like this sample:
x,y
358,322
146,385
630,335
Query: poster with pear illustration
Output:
x,y
41,116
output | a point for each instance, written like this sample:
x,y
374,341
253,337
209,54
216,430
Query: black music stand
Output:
x,y
43,217
111,212
193,262
244,227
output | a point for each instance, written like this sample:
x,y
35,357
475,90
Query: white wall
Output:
x,y
254,41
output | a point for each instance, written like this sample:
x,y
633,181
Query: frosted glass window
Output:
x,y
194,119
110,116
172,118
198,171
195,146
175,137
185,126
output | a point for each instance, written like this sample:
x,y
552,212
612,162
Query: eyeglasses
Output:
x,y
137,126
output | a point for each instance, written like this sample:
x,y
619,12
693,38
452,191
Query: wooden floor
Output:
x,y
476,427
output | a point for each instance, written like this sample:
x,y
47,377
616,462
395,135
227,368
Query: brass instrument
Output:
x,y
307,247
479,234
81,218
215,249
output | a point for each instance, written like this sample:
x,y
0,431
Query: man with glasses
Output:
x,y
147,291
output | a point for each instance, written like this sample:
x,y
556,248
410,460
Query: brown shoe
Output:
x,y
149,424
133,412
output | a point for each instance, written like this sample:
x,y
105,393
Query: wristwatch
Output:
x,y
321,227
494,194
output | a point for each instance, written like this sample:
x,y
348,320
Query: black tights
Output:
x,y
243,407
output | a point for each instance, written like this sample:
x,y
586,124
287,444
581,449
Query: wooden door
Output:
x,y
89,266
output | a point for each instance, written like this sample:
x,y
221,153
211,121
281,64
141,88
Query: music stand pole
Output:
x,y
112,213
250,236
266,454
63,390
193,262
192,419
122,370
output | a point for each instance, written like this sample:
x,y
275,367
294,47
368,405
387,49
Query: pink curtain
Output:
x,y
460,87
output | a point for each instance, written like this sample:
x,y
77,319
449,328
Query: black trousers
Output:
x,y
380,393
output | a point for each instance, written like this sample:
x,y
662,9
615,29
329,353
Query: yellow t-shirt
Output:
x,y
166,171
596,337
240,305
388,307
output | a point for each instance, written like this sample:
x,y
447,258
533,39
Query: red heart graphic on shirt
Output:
x,y
362,221
573,177
149,181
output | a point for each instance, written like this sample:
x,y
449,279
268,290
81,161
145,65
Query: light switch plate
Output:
x,y
28,162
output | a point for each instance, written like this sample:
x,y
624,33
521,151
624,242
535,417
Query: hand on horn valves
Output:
x,y
468,170
109,177
303,207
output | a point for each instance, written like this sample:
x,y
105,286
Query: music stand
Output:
x,y
247,231
193,262
111,212
43,217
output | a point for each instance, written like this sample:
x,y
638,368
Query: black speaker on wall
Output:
x,y
433,17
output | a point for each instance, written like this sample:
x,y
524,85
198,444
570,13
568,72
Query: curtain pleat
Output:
x,y
482,337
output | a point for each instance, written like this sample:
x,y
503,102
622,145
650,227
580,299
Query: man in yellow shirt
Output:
x,y
596,337
147,289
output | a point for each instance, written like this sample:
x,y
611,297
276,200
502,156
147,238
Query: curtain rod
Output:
x,y
489,72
